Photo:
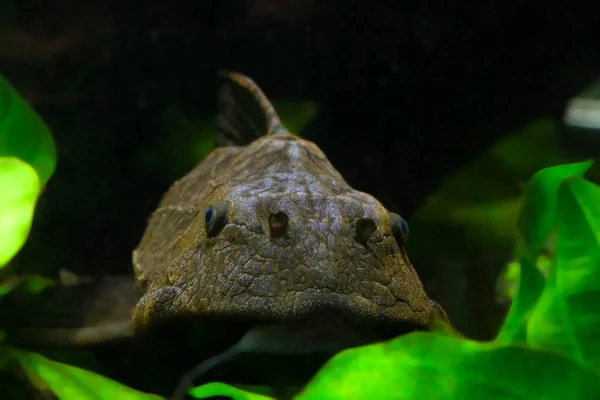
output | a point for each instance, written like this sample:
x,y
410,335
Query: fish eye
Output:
x,y
399,228
208,215
215,218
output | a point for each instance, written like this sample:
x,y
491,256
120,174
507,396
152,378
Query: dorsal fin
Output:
x,y
245,113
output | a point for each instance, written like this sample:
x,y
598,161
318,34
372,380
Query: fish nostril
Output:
x,y
364,229
278,224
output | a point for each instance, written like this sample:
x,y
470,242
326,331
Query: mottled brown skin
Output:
x,y
316,271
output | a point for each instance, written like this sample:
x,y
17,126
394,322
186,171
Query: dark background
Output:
x,y
407,93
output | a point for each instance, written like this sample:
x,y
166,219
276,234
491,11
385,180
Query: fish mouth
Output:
x,y
326,332
284,354
266,352
256,347
306,338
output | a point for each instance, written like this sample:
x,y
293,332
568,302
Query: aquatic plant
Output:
x,y
27,161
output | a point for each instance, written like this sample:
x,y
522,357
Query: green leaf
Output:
x,y
19,190
72,383
531,285
536,221
538,213
430,366
534,147
25,142
296,115
222,389
23,134
34,284
567,317
508,281
493,219
31,283
475,210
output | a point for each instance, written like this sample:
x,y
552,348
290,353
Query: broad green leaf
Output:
x,y
431,366
72,383
536,221
567,318
222,389
23,134
19,190
538,213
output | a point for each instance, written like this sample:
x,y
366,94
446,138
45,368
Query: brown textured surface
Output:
x,y
318,268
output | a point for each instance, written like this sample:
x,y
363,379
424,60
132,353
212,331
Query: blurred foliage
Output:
x,y
222,389
566,318
537,220
483,199
71,383
23,134
19,190
508,281
541,216
430,366
27,160
538,214
31,283
189,141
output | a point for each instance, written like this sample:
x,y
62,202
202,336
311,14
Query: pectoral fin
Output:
x,y
84,314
